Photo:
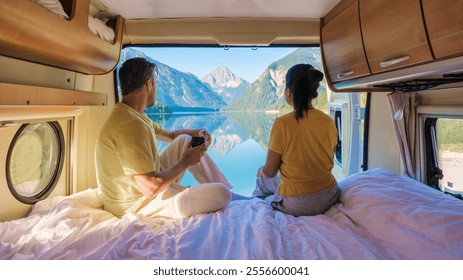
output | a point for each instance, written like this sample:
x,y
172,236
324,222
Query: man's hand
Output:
x,y
193,155
204,133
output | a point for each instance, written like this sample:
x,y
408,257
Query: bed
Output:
x,y
381,215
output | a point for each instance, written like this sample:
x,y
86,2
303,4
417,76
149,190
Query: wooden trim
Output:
x,y
31,32
223,31
444,24
23,114
13,94
433,69
341,6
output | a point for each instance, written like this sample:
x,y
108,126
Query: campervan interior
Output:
x,y
393,84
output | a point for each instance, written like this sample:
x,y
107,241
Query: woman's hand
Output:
x,y
260,173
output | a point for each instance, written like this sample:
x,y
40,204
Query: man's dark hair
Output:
x,y
134,73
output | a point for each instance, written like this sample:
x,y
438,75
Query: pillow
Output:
x,y
52,5
100,29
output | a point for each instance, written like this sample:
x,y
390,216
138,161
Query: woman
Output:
x,y
301,148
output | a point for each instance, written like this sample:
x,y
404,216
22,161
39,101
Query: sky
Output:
x,y
244,62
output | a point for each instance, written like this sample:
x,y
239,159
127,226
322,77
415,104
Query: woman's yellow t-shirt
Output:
x,y
307,149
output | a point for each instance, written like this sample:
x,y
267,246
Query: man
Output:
x,y
133,177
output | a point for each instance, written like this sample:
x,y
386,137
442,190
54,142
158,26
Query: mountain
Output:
x,y
267,93
226,84
257,124
178,90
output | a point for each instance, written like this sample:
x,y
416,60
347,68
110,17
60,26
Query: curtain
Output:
x,y
403,108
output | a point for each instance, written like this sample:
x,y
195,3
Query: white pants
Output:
x,y
177,201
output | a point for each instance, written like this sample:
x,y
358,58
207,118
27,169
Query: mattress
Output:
x,y
380,215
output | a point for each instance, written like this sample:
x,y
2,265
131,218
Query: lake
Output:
x,y
239,142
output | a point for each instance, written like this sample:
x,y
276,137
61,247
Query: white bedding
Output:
x,y
381,216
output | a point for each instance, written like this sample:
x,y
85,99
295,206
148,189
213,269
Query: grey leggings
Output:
x,y
300,205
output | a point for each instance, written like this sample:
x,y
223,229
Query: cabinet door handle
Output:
x,y
394,61
345,74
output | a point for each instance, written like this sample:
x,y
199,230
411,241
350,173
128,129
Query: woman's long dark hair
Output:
x,y
303,80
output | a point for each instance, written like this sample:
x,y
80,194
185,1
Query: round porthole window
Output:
x,y
34,161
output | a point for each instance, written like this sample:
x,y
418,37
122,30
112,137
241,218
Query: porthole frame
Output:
x,y
45,192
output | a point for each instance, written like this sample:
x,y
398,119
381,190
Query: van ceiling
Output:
x,y
159,9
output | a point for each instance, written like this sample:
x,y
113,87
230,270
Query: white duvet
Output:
x,y
381,215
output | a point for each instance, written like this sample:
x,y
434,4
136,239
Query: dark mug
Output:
x,y
196,141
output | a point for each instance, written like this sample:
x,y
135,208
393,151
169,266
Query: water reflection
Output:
x,y
239,145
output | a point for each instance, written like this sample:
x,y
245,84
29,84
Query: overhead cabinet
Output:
x,y
394,35
31,32
342,46
444,22
372,45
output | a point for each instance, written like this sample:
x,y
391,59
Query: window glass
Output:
x,y
338,122
234,93
348,112
363,104
34,161
450,152
362,117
